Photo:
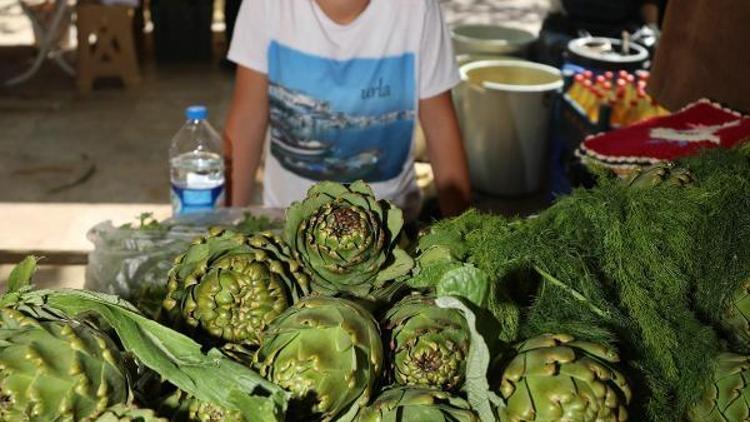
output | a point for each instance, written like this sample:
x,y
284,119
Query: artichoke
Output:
x,y
327,352
657,174
728,398
556,378
417,405
428,344
180,406
126,413
736,317
57,370
199,411
232,286
347,239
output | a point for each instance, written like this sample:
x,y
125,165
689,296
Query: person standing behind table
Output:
x,y
341,83
703,52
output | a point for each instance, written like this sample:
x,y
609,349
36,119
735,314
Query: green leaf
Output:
x,y
477,388
21,275
437,254
361,187
330,189
394,219
298,212
466,281
401,265
178,359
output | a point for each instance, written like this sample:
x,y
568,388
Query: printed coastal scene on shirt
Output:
x,y
341,120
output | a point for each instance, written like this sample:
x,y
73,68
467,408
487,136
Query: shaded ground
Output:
x,y
112,145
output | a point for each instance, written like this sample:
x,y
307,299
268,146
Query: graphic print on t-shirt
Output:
x,y
341,120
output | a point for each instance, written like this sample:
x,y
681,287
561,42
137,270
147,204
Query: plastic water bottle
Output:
x,y
196,165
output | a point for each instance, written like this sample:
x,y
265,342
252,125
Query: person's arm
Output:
x,y
447,155
245,132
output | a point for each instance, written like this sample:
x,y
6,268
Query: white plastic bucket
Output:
x,y
504,107
491,39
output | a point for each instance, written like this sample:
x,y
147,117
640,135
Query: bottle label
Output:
x,y
190,201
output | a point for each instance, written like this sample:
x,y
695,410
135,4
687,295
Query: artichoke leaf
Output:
x,y
394,218
178,359
466,281
333,189
438,254
19,280
401,265
477,388
361,187
21,274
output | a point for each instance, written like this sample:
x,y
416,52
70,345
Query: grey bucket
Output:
x,y
491,39
505,123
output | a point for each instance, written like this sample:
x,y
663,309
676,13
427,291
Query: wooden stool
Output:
x,y
106,47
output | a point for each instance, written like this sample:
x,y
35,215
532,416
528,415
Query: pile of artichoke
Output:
x,y
329,319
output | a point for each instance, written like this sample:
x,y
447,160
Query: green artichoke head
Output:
x,y
200,411
232,287
658,174
129,413
728,397
347,239
736,316
57,370
556,378
182,407
406,404
428,345
327,352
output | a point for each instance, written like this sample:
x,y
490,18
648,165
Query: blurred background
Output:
x,y
111,145
92,93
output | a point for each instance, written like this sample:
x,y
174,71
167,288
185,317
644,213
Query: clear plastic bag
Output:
x,y
133,262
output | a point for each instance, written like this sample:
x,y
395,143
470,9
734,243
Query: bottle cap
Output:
x,y
196,113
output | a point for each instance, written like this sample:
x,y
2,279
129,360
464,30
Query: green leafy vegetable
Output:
x,y
21,274
210,377
327,352
402,404
428,344
728,397
556,378
232,286
347,239
57,369
476,386
652,269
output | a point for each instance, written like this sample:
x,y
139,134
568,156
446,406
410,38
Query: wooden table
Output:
x,y
58,231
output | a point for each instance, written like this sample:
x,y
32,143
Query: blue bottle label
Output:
x,y
191,201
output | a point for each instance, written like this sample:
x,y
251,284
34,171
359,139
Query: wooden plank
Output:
x,y
49,257
61,227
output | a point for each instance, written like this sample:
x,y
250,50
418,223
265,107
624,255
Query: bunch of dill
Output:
x,y
646,270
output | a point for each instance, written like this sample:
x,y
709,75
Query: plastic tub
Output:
x,y
504,111
491,39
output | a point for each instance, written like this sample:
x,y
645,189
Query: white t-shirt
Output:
x,y
344,98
